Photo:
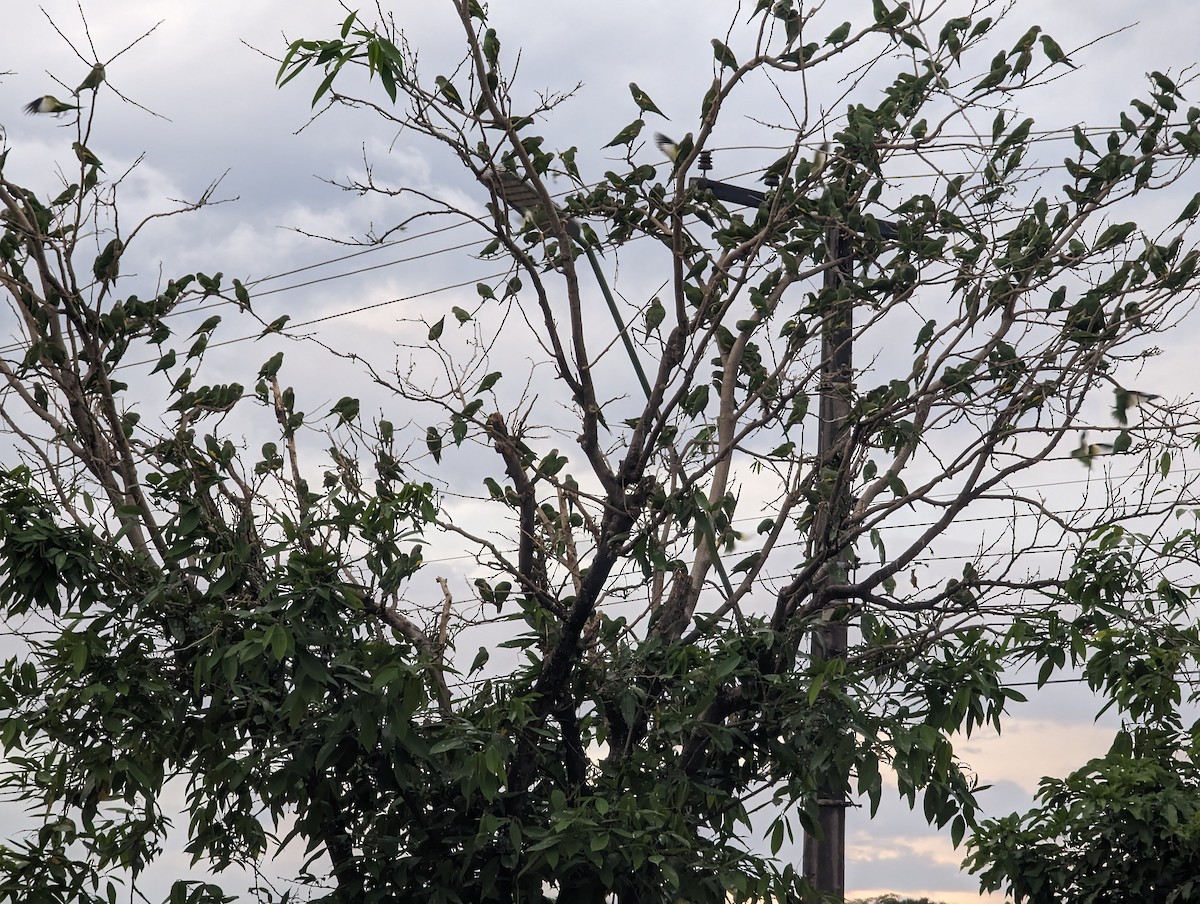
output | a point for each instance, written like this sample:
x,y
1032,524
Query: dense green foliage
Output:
x,y
1124,826
259,630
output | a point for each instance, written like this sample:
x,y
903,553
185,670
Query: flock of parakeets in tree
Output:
x,y
1085,453
523,198
1125,399
48,103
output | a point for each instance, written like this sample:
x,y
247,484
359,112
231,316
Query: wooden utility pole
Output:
x,y
825,856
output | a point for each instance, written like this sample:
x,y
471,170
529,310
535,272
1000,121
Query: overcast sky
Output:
x,y
206,72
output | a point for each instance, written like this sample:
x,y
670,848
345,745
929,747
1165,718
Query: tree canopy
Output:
x,y
636,690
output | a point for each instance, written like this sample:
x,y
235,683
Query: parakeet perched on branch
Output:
x,y
94,79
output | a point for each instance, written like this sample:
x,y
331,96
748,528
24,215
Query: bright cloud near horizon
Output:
x,y
207,74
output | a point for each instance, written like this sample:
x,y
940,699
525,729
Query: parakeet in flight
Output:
x,y
672,149
1087,451
1129,398
820,158
49,104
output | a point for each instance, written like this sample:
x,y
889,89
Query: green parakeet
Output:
x,y
669,148
94,79
1129,398
49,104
820,158
1087,451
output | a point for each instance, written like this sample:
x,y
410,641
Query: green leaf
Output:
x,y
958,828
777,836
327,82
79,657
280,642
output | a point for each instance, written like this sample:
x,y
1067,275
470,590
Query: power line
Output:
x,y
324,279
336,315
992,218
381,246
